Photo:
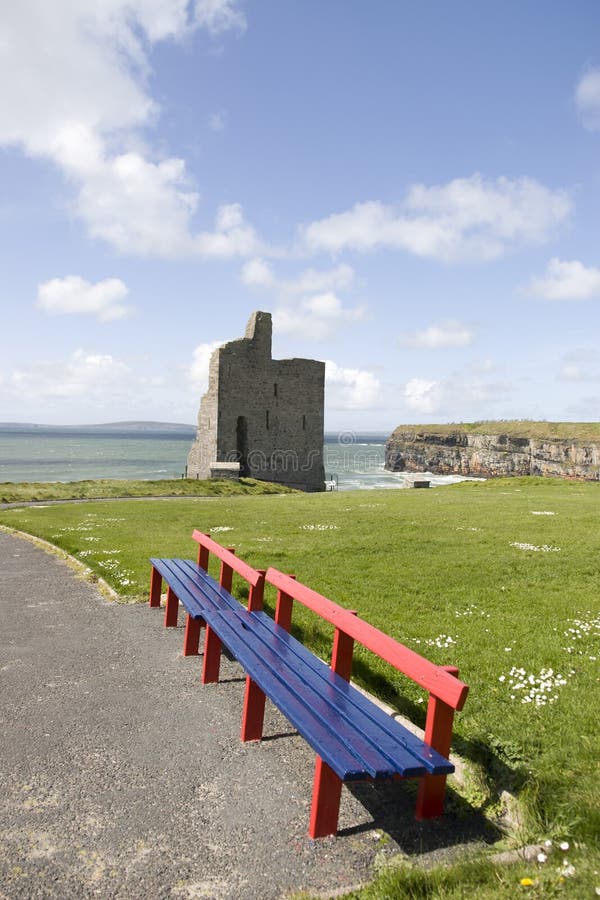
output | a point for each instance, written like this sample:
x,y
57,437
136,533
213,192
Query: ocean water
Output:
x,y
353,464
79,456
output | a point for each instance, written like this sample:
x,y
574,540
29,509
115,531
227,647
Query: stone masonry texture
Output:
x,y
267,414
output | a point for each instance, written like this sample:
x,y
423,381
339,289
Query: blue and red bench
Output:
x,y
354,739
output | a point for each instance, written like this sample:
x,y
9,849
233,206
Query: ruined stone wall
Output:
x,y
265,413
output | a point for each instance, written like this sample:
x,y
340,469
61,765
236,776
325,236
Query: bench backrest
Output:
x,y
437,680
230,563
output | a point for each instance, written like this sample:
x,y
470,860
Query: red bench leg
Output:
x,y
254,712
325,809
171,609
212,657
438,734
192,636
155,587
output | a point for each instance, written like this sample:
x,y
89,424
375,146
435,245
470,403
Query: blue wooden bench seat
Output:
x,y
353,738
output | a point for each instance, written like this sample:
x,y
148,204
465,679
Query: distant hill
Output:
x,y
102,428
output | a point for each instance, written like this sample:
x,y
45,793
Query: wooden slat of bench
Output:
x,y
315,706
381,731
345,763
385,747
169,570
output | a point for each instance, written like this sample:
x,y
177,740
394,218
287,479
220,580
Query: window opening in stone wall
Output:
x,y
303,423
267,420
242,445
275,389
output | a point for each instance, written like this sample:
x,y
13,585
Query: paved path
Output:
x,y
120,776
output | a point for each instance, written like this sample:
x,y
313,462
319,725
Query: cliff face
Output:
x,y
490,455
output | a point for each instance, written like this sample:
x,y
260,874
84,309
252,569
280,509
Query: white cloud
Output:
x,y
587,99
580,365
466,219
73,89
231,237
315,317
422,396
566,280
199,367
308,304
218,16
443,334
73,295
145,208
257,273
216,121
92,386
311,280
350,388
456,397
98,377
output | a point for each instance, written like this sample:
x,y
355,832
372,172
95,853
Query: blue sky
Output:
x,y
412,189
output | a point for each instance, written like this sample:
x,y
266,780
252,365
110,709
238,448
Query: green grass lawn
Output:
x,y
499,578
115,487
524,428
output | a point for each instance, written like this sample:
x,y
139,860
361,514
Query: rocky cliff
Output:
x,y
464,452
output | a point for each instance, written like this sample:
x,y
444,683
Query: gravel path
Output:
x,y
121,776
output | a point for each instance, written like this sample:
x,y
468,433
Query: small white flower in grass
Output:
x,y
545,548
319,527
442,641
564,845
547,843
471,610
541,857
536,689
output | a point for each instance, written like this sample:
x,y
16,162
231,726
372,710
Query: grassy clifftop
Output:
x,y
557,431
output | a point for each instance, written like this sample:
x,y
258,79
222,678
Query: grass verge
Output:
x,y
25,492
524,428
499,578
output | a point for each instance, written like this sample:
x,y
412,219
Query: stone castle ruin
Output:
x,y
261,417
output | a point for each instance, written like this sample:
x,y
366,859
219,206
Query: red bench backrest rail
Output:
x,y
433,678
446,692
230,563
